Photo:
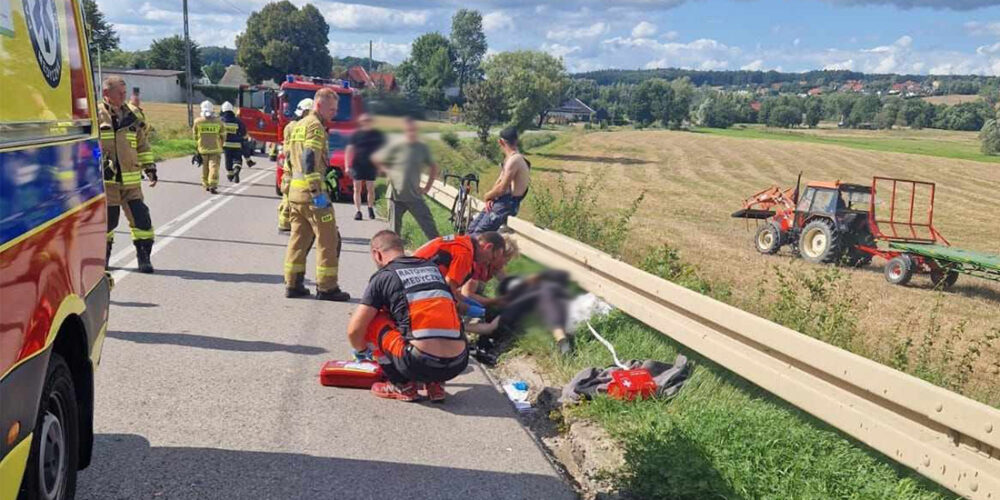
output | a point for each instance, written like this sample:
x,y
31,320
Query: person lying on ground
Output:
x,y
464,257
408,323
545,293
504,198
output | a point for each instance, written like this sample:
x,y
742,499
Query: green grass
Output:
x,y
721,437
920,146
164,149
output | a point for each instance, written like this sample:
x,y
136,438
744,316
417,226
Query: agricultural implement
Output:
x,y
834,222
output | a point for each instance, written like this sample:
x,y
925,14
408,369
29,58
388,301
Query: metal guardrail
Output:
x,y
944,436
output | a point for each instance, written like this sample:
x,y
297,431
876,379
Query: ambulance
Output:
x,y
54,289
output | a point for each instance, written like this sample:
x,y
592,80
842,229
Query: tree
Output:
x,y
223,55
864,110
124,59
428,70
887,116
214,71
168,53
915,113
532,83
438,74
784,116
652,100
990,135
715,112
101,33
468,42
814,111
484,107
680,105
282,39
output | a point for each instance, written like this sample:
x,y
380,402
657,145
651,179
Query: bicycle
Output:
x,y
461,209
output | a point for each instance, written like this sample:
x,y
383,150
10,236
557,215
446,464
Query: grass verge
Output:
x,y
923,146
721,437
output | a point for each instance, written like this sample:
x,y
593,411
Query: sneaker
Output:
x,y
250,163
294,293
388,390
435,392
371,213
335,295
357,216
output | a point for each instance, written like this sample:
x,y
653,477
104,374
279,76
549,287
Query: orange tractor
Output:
x,y
835,222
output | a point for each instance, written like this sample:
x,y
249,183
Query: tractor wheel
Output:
x,y
899,270
943,278
768,239
819,243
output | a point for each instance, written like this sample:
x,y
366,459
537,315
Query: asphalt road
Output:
x,y
208,385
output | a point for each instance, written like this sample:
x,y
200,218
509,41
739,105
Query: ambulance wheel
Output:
x,y
52,462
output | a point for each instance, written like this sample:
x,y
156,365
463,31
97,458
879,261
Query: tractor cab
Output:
x,y
831,218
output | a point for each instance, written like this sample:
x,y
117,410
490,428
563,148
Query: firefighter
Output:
x,y
233,146
310,211
125,156
210,134
303,109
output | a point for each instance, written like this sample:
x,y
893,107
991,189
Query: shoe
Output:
x,y
236,176
213,190
435,392
388,390
565,346
284,230
295,293
371,213
230,176
335,295
143,250
250,163
358,216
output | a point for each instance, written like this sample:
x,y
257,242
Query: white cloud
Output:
x,y
670,35
644,29
703,53
383,51
842,65
713,64
988,49
755,65
368,18
567,34
977,28
497,21
560,50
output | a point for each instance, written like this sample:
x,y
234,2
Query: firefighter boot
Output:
x,y
236,174
335,295
230,175
143,250
299,290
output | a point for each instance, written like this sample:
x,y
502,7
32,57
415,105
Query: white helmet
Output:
x,y
227,106
207,108
304,105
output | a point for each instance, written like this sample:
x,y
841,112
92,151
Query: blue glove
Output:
x,y
321,200
363,355
475,310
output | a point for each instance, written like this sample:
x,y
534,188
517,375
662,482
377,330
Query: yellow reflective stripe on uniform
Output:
x,y
313,177
131,176
232,127
325,271
142,234
298,134
326,218
107,134
313,143
146,157
291,267
232,145
300,183
132,139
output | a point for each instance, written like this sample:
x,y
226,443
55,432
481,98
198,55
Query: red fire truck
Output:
x,y
266,112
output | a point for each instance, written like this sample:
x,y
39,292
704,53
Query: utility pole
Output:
x,y
370,68
187,57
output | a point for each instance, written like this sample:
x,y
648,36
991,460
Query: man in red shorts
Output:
x,y
409,323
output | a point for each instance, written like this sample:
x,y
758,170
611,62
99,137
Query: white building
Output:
x,y
153,85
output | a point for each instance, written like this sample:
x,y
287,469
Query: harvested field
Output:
x,y
694,181
952,99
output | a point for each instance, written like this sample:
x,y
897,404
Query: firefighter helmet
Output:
x,y
227,106
304,105
207,108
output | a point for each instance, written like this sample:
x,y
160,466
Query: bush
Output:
x,y
990,135
784,117
450,138
577,215
532,141
665,261
218,94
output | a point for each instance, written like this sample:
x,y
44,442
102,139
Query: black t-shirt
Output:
x,y
388,287
366,143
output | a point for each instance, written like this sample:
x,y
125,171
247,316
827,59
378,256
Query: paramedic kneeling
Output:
x,y
408,322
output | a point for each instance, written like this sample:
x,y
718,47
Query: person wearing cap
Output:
x,y
301,111
233,146
504,198
209,134
404,161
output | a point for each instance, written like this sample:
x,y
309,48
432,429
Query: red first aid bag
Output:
x,y
361,374
631,384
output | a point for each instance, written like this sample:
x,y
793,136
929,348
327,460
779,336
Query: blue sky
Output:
x,y
902,36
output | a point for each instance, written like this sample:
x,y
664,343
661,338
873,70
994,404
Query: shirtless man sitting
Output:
x,y
504,198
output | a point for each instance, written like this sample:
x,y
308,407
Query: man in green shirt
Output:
x,y
404,161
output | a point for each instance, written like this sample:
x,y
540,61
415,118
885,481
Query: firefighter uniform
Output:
x,y
125,155
210,135
233,145
307,156
286,178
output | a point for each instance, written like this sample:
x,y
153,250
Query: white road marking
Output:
x,y
162,240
